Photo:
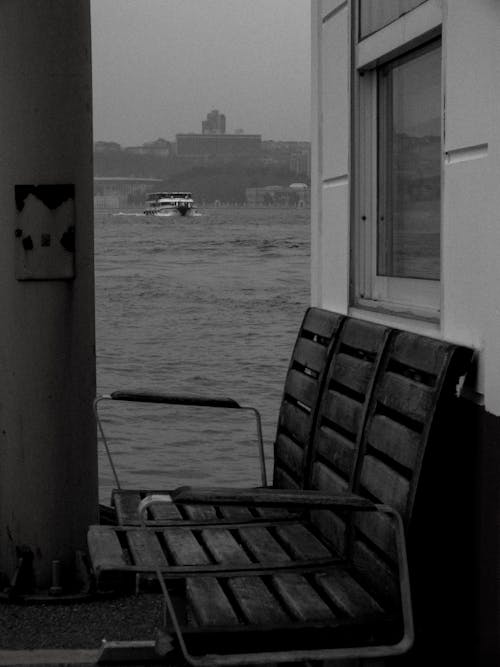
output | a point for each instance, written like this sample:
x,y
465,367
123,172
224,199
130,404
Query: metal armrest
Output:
x,y
257,497
264,497
180,399
175,399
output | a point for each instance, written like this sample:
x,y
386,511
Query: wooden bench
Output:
x,y
263,583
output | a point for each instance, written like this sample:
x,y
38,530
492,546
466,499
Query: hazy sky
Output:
x,y
159,66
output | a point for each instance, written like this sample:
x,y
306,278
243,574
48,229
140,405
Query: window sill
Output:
x,y
424,323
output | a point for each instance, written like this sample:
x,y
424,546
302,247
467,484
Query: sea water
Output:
x,y
208,305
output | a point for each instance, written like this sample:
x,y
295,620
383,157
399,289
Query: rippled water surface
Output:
x,y
204,305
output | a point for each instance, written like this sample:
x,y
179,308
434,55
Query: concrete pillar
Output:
x,y
48,461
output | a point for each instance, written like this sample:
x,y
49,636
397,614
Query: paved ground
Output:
x,y
80,625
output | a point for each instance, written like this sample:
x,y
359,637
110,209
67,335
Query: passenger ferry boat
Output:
x,y
161,203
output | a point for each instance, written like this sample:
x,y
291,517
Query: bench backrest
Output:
x,y
302,390
415,387
395,402
342,413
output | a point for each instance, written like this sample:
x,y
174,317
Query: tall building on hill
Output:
x,y
213,142
215,123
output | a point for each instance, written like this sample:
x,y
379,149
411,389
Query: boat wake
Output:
x,y
144,215
129,215
160,214
171,214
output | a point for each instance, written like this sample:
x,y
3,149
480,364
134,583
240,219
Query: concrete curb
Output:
x,y
50,657
118,653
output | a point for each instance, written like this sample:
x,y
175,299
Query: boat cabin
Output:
x,y
154,198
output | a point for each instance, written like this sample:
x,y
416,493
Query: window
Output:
x,y
409,163
397,136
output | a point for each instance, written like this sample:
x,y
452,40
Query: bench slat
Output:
x,y
419,352
296,422
274,513
394,440
326,479
403,395
105,549
262,545
352,372
375,575
379,531
281,478
235,513
310,354
301,542
126,504
200,512
322,322
224,547
347,594
301,599
343,411
145,549
336,451
364,336
332,527
209,603
165,512
184,547
257,603
384,483
302,387
290,455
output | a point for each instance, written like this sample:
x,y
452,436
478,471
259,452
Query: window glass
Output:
x,y
375,14
409,165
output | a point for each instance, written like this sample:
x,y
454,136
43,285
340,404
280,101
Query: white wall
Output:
x,y
330,145
470,296
471,187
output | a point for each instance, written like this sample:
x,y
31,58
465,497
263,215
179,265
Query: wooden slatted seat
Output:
x,y
331,582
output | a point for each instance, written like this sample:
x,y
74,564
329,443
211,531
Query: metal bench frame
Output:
x,y
295,500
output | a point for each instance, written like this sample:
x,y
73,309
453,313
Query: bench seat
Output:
x,y
278,586
305,578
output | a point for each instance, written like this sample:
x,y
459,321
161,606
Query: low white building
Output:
x,y
122,191
295,195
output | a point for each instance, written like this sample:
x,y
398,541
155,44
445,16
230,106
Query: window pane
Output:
x,y
409,183
375,14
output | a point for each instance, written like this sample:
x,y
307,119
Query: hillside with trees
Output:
x,y
209,180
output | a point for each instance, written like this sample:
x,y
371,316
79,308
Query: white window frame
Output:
x,y
407,297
